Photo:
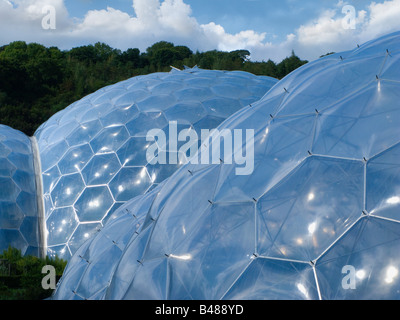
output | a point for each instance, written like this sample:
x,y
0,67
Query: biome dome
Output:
x,y
19,211
318,218
93,153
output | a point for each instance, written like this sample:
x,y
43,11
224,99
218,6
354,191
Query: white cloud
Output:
x,y
22,19
176,16
383,18
328,32
172,20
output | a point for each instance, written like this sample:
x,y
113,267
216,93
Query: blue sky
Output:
x,y
233,15
268,28
276,17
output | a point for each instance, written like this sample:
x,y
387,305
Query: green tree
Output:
x,y
22,275
288,65
36,81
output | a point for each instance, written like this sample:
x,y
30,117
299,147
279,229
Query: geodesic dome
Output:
x,y
19,213
318,218
93,153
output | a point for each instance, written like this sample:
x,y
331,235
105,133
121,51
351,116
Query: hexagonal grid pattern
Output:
x,y
18,203
323,197
93,153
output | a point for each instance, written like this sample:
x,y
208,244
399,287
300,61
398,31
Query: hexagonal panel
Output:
x,y
109,139
119,116
75,159
84,132
25,180
30,231
101,169
8,189
60,225
11,216
133,152
50,178
187,112
114,122
140,125
27,201
288,229
7,169
67,190
93,204
12,238
130,182
197,94
156,103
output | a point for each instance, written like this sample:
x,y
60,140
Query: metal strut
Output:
x,y
39,198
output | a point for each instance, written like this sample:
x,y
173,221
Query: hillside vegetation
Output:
x,y
38,81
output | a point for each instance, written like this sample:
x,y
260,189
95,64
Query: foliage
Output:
x,y
21,276
36,81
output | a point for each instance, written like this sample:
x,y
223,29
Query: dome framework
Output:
x,y
319,218
94,152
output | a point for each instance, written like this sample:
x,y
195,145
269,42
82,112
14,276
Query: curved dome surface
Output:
x,y
93,153
319,217
19,219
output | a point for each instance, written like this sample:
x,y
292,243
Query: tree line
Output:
x,y
21,276
38,81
